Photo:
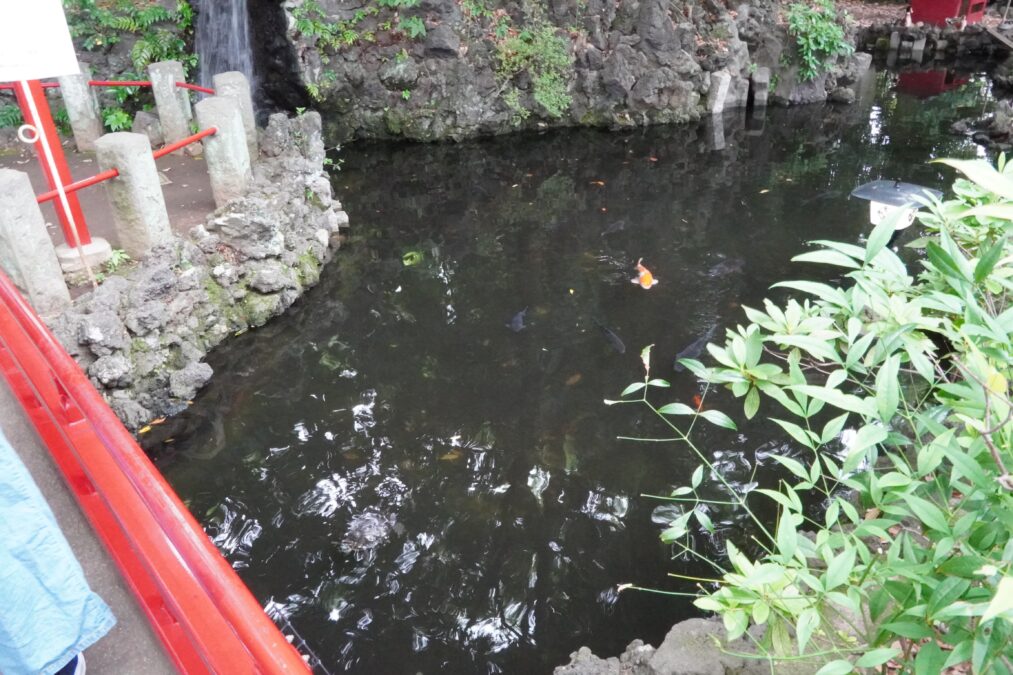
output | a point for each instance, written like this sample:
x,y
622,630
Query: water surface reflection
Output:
x,y
417,481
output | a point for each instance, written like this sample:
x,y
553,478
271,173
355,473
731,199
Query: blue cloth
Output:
x,y
47,612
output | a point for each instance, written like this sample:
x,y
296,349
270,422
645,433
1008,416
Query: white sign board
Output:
x,y
34,41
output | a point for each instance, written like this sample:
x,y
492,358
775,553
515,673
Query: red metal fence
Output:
x,y
206,618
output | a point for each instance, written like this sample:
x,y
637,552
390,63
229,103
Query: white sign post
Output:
x,y
35,43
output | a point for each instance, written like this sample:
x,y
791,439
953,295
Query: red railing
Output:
x,y
113,173
205,617
123,83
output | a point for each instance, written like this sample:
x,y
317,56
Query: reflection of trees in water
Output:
x,y
393,405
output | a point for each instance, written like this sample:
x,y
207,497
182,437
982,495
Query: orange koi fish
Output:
x,y
644,276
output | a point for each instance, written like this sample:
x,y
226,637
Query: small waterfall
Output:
x,y
223,39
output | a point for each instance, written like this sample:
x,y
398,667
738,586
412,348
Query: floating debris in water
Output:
x,y
367,530
517,322
574,379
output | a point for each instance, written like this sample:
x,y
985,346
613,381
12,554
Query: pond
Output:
x,y
414,470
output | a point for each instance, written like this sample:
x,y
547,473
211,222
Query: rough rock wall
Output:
x,y
630,62
142,338
692,647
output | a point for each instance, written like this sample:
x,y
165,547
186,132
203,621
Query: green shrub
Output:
x,y
894,388
160,32
545,56
116,119
10,117
819,37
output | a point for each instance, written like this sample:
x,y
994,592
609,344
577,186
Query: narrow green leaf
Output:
x,y
910,629
777,497
928,513
697,477
888,388
676,409
839,569
837,399
636,386
943,262
982,174
876,657
880,235
988,260
752,403
822,291
832,429
787,536
792,465
1002,603
838,667
808,622
826,257
719,418
796,432
930,659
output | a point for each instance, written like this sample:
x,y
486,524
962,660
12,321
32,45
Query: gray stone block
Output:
x,y
234,85
226,152
761,86
173,102
82,108
720,82
26,251
147,123
139,212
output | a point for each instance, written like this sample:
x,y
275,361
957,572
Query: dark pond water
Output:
x,y
414,486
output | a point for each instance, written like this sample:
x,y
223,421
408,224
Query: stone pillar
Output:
x,y
26,251
234,85
225,152
173,102
136,198
894,41
761,87
918,49
82,109
720,81
715,132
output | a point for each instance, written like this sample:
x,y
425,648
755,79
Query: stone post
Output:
x,y
761,86
26,251
225,152
234,85
720,82
82,109
136,198
173,102
918,49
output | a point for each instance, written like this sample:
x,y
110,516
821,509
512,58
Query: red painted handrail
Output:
x,y
78,185
123,83
206,619
109,174
173,147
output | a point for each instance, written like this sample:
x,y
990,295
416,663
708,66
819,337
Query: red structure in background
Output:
x,y
928,83
936,12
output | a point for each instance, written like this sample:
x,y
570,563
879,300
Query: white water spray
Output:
x,y
223,39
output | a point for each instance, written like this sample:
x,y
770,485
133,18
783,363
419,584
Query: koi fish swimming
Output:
x,y
644,277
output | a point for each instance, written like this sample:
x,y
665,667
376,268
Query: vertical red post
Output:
x,y
35,100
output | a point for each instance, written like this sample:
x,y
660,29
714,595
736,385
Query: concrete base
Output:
x,y
95,253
